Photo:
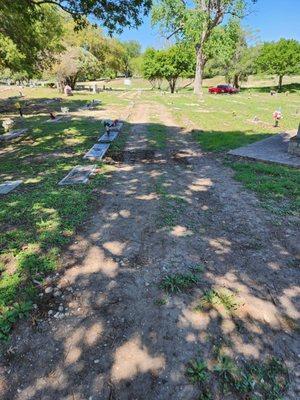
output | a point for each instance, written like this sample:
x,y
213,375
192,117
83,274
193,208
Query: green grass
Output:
x,y
197,371
39,218
277,186
178,282
225,141
157,134
254,380
218,297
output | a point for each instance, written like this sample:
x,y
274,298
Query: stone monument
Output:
x,y
294,144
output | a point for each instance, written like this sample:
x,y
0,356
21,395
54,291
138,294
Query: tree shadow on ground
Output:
x,y
120,336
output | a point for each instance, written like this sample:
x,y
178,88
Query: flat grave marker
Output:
x,y
108,137
12,134
97,152
79,174
8,186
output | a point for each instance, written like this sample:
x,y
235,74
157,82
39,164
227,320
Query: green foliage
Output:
x,y
197,371
280,58
268,380
170,64
178,282
222,297
275,184
29,36
195,22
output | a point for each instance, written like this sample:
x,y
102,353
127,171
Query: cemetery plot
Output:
x,y
8,186
273,149
97,152
79,174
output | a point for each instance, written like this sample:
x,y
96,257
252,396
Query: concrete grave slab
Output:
x,y
273,149
57,119
8,186
108,138
12,134
97,152
79,174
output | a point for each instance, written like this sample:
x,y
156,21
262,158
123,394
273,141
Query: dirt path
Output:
x,y
118,336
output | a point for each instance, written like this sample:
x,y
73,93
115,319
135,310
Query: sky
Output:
x,y
270,19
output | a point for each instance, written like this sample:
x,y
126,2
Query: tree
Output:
x,y
280,58
113,14
229,54
196,21
28,44
131,50
151,67
74,64
169,64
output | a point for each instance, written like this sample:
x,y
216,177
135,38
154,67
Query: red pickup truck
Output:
x,y
223,89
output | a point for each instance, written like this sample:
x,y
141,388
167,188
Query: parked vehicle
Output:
x,y
223,89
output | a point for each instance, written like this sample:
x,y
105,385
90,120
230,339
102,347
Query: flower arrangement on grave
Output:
x,y
7,124
277,115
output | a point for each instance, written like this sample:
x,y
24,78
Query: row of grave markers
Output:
x,y
80,173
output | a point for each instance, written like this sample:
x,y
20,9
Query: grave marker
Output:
x,y
79,174
97,152
108,137
8,186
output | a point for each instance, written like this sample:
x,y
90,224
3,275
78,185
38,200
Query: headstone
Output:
x,y
12,134
94,88
97,152
79,174
8,186
108,137
294,144
68,90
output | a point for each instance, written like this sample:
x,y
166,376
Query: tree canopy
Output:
x,y
169,64
280,58
113,14
195,21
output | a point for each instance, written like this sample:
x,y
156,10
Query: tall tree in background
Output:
x,y
131,50
196,21
170,64
280,58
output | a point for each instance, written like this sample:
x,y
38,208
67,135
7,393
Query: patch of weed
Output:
x,y
197,371
213,297
268,380
178,282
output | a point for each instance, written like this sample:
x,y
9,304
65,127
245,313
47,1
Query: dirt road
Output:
x,y
114,334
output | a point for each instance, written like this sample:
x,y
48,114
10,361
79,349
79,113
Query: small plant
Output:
x,y
160,302
197,371
257,380
213,297
178,282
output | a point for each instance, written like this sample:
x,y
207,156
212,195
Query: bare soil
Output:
x,y
120,337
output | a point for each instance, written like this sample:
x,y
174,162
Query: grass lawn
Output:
x,y
276,185
39,218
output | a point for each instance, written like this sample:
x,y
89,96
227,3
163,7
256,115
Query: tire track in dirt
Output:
x,y
160,215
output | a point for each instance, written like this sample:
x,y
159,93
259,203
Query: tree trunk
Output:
x,y
172,84
199,71
236,81
280,82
